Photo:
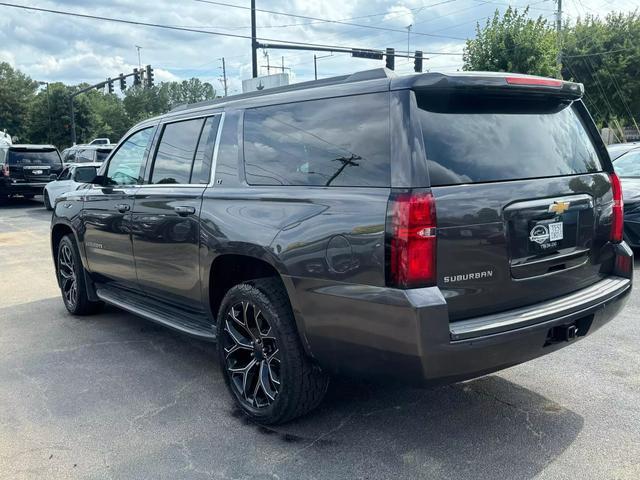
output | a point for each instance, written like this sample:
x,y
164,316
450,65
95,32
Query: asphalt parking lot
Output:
x,y
113,396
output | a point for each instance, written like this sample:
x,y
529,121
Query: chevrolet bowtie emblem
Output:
x,y
559,207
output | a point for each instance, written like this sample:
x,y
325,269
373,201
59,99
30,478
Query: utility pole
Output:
x,y
73,122
315,65
254,41
559,39
48,110
224,77
409,38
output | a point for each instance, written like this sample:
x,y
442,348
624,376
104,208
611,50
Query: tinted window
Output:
x,y
204,155
34,157
85,174
65,175
628,165
338,142
481,143
85,156
176,151
126,165
228,151
101,155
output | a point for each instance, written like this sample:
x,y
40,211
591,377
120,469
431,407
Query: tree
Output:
x,y
16,92
513,43
603,55
189,91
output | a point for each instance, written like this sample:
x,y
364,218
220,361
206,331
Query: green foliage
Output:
x,y
16,91
43,116
513,43
611,79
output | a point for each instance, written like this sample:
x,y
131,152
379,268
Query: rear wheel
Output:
x,y
47,202
71,279
263,362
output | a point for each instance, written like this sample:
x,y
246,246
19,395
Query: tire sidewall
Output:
x,y
67,241
248,292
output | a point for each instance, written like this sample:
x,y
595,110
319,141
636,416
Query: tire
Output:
x,y
71,279
256,324
47,202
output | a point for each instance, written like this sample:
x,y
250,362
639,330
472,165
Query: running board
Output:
x,y
193,324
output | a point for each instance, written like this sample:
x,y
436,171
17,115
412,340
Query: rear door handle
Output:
x,y
123,207
184,211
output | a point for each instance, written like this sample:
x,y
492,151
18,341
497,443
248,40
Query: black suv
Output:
x,y
430,228
26,169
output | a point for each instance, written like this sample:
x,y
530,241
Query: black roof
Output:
x,y
369,81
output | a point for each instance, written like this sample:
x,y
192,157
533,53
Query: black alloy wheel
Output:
x,y
68,278
252,357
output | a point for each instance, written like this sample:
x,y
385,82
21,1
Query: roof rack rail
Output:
x,y
376,73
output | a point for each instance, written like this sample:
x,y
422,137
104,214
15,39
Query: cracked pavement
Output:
x,y
114,397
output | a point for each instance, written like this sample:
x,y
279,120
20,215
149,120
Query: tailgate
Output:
x,y
520,191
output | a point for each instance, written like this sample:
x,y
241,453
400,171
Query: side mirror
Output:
x,y
99,180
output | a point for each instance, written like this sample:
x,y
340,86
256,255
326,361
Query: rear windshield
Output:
x,y
19,157
471,142
101,155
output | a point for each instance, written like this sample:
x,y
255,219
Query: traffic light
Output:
x,y
136,77
391,58
417,61
123,82
110,85
149,77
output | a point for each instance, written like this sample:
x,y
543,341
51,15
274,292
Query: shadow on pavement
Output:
x,y
486,428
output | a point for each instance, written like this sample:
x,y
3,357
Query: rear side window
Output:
x,y
176,152
19,157
85,156
333,142
475,142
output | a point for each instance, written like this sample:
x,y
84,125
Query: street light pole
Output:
x,y
48,112
254,41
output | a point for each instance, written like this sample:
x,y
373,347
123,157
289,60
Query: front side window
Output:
x,y
628,165
176,151
126,165
85,156
329,142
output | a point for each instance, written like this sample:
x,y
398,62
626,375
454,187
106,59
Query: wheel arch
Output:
x,y
230,269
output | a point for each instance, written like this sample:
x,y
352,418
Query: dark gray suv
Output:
x,y
428,228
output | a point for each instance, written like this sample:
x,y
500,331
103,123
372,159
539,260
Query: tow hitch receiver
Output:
x,y
562,333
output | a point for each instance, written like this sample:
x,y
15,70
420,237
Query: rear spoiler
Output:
x,y
503,83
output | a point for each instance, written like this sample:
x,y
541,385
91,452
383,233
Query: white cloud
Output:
x,y
399,15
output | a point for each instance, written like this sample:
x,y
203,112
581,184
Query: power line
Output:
x,y
192,30
597,53
339,22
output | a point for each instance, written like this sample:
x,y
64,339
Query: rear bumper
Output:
x,y
20,188
406,335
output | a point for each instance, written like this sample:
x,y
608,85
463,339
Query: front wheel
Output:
x,y
71,279
262,359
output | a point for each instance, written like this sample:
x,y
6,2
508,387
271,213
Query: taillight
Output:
x,y
412,239
617,215
5,170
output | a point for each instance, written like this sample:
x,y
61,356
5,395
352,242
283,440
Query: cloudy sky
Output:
x,y
52,47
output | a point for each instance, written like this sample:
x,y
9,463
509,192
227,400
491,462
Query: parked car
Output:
x,y
70,179
100,141
86,154
617,149
428,228
627,166
26,169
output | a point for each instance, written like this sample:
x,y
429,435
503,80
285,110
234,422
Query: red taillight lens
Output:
x,y
4,170
617,215
545,82
412,244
